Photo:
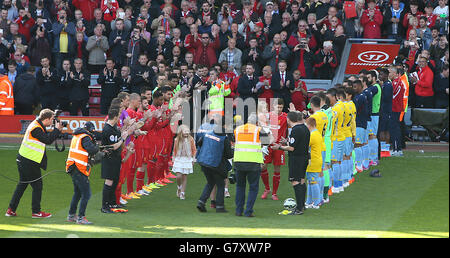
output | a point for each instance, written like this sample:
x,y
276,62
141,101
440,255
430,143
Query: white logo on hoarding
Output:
x,y
373,56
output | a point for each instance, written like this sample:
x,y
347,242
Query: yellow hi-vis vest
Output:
x,y
31,148
247,146
78,155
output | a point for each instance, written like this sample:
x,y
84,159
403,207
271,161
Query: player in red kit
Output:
x,y
152,140
300,93
278,126
266,78
167,136
128,168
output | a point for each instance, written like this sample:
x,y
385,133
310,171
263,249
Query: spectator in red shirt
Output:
x,y
192,37
332,11
414,12
423,88
431,17
87,7
371,20
205,50
25,22
109,9
300,92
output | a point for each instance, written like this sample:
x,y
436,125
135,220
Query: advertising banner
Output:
x,y
370,56
18,123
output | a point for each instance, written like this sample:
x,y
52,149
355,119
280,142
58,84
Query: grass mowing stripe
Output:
x,y
433,206
372,207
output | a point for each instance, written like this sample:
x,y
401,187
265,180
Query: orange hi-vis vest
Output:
x,y
78,155
247,147
6,97
405,82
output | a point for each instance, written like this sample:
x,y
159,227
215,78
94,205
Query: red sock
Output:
x,y
139,180
118,192
130,180
275,181
265,178
150,172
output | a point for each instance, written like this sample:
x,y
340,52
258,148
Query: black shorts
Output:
x,y
384,121
297,167
110,169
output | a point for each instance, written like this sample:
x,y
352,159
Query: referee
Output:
x,y
112,161
298,148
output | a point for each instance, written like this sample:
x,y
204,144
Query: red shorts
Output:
x,y
139,152
275,156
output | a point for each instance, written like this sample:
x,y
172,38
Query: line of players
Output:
x,y
150,145
347,119
345,116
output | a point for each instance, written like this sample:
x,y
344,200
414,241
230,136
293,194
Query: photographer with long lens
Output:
x,y
31,158
78,166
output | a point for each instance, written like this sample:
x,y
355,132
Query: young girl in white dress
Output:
x,y
183,158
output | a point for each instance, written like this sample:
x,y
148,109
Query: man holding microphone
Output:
x,y
31,158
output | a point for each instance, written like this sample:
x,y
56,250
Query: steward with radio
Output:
x,y
31,158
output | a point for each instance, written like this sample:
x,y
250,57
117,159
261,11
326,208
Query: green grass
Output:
x,y
411,200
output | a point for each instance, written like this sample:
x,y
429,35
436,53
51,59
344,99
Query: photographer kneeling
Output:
x,y
31,158
82,146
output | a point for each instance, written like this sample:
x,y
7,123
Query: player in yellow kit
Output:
x,y
314,169
321,119
349,132
337,139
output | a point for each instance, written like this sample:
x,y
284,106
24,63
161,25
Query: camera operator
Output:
x,y
82,146
31,158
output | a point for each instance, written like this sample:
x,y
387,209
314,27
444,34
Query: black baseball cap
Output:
x,y
89,126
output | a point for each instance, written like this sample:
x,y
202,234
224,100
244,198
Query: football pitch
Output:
x,y
410,200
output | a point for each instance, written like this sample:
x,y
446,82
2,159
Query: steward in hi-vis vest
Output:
x,y
31,159
77,165
248,158
6,97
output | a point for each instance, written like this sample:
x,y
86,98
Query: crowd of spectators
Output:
x,y
50,48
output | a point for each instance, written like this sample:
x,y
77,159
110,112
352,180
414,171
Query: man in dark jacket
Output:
x,y
31,158
325,61
135,47
440,88
25,93
47,79
303,60
252,54
117,42
282,82
109,81
64,87
392,21
80,79
124,79
141,75
247,90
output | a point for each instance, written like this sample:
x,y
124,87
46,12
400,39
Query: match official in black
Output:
x,y
298,149
112,161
